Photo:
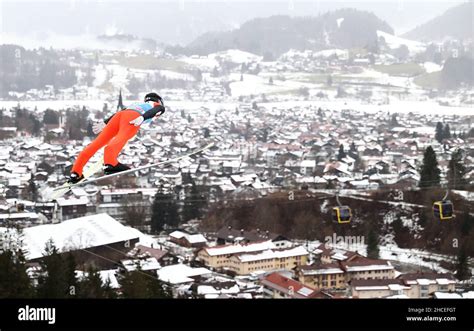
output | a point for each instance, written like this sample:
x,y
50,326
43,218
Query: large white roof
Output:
x,y
274,254
235,249
78,233
180,273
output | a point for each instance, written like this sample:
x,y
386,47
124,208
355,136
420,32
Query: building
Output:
x,y
360,267
379,288
272,259
322,276
94,239
188,240
229,235
218,256
72,208
425,284
277,286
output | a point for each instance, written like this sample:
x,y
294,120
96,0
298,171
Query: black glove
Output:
x,y
161,111
158,110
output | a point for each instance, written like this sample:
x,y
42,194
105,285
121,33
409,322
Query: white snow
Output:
x,y
62,202
323,271
274,254
468,295
339,21
206,289
443,295
469,196
150,263
42,105
395,106
369,267
236,56
432,67
395,42
74,234
180,273
235,249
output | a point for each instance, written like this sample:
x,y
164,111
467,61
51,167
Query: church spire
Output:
x,y
120,105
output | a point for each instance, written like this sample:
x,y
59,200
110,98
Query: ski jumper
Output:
x,y
116,134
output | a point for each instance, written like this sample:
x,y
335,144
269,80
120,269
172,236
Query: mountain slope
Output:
x,y
456,22
272,36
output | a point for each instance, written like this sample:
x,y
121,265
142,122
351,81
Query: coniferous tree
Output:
x,y
429,174
14,280
193,204
341,153
456,171
164,211
55,280
439,132
90,132
446,132
394,121
372,244
462,267
92,287
139,284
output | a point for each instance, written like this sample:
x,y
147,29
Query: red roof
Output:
x,y
285,285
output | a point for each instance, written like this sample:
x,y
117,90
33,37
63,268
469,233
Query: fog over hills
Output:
x,y
179,22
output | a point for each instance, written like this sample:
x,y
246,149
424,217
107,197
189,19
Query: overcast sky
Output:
x,y
180,21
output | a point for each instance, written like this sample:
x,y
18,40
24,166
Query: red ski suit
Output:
x,y
114,136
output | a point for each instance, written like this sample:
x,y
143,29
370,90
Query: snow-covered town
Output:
x,y
296,137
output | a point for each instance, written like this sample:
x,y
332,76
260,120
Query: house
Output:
x,y
188,240
180,274
218,256
229,235
361,267
335,255
145,264
425,284
94,239
144,251
379,288
271,259
72,208
322,276
277,286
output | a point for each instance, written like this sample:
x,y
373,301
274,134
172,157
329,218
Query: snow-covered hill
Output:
x,y
394,42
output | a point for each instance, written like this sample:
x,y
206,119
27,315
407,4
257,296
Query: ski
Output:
x,y
95,179
58,192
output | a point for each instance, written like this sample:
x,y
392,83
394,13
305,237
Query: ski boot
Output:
x,y
75,178
119,167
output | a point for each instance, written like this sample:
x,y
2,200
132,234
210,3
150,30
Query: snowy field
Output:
x,y
403,107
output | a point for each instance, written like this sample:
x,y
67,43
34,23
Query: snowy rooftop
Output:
x,y
192,238
180,273
150,263
274,254
444,295
78,233
369,267
235,249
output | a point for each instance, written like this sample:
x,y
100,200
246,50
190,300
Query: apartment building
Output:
x,y
272,259
424,284
361,267
277,286
322,276
218,256
247,258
